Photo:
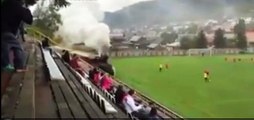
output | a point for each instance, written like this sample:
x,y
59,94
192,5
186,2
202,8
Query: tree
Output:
x,y
201,40
219,39
168,37
192,29
57,3
240,31
47,19
187,43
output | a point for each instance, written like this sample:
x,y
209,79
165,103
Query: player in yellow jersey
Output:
x,y
206,76
160,67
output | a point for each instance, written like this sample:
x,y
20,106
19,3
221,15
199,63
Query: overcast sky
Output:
x,y
113,5
107,5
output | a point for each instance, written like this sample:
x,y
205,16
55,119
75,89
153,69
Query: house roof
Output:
x,y
250,36
174,44
135,38
153,45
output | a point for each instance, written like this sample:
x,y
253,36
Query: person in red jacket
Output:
x,y
106,82
97,77
75,65
166,66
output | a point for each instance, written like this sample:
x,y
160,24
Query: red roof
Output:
x,y
250,36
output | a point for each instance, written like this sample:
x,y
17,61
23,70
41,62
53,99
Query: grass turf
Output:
x,y
183,89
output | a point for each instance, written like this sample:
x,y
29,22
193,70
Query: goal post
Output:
x,y
204,51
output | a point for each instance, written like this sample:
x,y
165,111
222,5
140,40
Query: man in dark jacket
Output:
x,y
66,56
119,95
12,14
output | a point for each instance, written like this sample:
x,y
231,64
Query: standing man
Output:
x,y
12,15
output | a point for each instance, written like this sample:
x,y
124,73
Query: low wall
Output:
x,y
138,53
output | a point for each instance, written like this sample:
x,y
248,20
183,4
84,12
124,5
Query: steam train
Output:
x,y
102,63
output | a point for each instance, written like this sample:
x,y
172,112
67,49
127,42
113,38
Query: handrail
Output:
x,y
43,35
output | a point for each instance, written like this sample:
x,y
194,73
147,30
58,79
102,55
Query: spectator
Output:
x,y
75,65
12,14
112,90
119,95
153,114
21,32
45,43
96,78
66,56
148,109
106,82
92,73
131,107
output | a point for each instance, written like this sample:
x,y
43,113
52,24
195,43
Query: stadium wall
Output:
x,y
139,53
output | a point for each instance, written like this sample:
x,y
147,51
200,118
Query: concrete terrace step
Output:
x,y
26,106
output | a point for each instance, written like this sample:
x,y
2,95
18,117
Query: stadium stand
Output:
x,y
163,112
108,95
52,89
40,93
100,106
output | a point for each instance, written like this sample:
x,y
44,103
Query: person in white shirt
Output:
x,y
131,107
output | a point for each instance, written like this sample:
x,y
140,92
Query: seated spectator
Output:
x,y
131,107
96,78
75,65
112,90
91,73
148,108
153,114
120,94
45,43
66,56
106,82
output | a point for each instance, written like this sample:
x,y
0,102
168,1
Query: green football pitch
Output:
x,y
182,88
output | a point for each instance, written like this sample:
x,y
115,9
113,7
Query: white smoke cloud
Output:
x,y
81,22
81,25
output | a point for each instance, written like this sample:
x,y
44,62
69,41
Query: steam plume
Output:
x,y
81,25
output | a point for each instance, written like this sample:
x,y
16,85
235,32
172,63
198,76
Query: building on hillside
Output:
x,y
155,44
135,39
117,36
174,45
123,45
250,39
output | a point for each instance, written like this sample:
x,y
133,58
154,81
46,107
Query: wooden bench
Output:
x,y
86,102
54,71
66,102
108,107
89,89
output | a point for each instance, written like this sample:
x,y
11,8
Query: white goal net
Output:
x,y
204,51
